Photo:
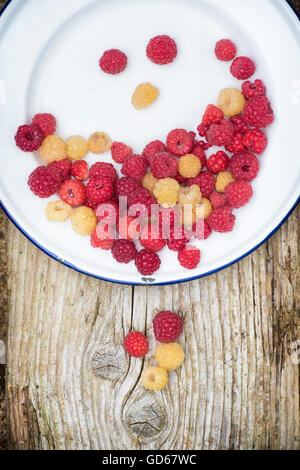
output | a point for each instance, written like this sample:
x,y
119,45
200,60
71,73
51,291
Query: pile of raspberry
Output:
x,y
169,354
171,193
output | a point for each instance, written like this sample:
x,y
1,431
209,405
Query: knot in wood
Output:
x,y
109,362
145,417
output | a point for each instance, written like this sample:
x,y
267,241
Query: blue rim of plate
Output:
x,y
145,284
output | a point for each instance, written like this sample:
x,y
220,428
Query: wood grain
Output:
x,y
69,376
70,385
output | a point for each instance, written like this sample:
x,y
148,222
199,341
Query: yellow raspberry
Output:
x,y
83,221
203,209
187,215
223,179
149,182
99,142
144,95
189,166
77,147
169,356
155,378
189,195
58,211
231,101
166,192
53,149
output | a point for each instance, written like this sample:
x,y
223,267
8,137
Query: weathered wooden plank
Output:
x,y
237,388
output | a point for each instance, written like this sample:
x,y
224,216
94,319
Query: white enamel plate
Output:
x,y
49,52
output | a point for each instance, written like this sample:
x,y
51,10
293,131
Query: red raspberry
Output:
x,y
126,186
236,145
255,140
217,162
164,165
239,124
168,218
120,151
113,61
99,189
193,135
258,112
147,262
91,204
179,142
72,192
242,68
225,50
44,182
204,145
202,129
179,237
29,138
217,200
162,50
64,166
108,212
220,134
181,179
152,149
134,166
238,193
143,198
124,251
136,344
253,89
212,115
244,166
189,257
103,170
221,219
102,237
199,152
129,228
206,182
80,170
151,237
167,326
45,122
201,229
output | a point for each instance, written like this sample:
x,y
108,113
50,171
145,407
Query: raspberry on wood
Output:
x,y
167,326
